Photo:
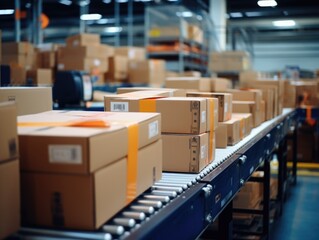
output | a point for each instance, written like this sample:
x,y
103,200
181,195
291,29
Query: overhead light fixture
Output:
x,y
93,16
102,21
121,1
236,14
253,14
6,11
172,0
184,14
107,1
113,29
284,23
267,3
65,2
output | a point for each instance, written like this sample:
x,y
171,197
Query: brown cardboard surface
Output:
x,y
40,77
68,149
132,53
84,39
22,60
248,121
48,59
179,114
247,95
10,198
147,71
221,136
185,153
268,97
173,91
18,75
29,100
89,51
233,131
91,65
8,129
220,84
117,69
192,83
17,48
71,200
247,107
262,111
224,101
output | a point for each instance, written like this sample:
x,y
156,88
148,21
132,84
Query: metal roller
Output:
x,y
184,186
125,222
171,194
154,204
164,199
176,189
145,209
140,216
179,181
113,229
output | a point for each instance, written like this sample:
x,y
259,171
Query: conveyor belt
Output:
x,y
174,192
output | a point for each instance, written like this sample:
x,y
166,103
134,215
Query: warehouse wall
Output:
x,y
275,56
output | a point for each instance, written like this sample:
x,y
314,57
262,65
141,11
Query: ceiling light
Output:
x,y
65,2
184,14
102,21
121,1
113,29
253,14
94,16
236,14
6,11
284,23
267,3
172,0
107,1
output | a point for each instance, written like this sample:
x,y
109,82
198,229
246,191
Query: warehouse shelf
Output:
x,y
180,200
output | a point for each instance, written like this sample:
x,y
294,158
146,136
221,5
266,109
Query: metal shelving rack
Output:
x,y
182,206
178,60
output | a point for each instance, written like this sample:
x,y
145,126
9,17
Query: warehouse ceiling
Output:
x,y
244,17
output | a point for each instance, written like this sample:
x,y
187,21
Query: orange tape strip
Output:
x,y
211,134
147,105
309,119
132,158
89,123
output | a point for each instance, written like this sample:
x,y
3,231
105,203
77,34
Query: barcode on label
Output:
x,y
153,129
71,154
119,106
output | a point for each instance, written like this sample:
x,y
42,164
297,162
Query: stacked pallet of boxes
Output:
x,y
229,61
9,171
20,57
84,52
78,168
187,125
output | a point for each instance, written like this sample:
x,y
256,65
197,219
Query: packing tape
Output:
x,y
211,134
84,123
147,105
132,161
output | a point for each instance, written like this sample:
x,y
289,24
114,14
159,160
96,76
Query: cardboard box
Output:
x,y
40,77
248,107
262,111
195,33
233,131
117,69
185,153
179,30
22,60
220,84
90,51
179,114
229,61
18,75
84,39
49,59
14,48
9,144
307,91
268,97
254,95
191,83
132,53
147,71
247,125
10,198
221,136
249,196
173,92
48,199
187,74
29,100
81,142
91,65
224,101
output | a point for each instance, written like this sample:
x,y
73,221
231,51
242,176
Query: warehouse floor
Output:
x,y
300,215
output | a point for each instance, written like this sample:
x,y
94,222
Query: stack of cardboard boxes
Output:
x,y
80,168
187,125
229,61
86,53
9,171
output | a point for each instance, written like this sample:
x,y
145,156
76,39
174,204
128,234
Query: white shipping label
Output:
x,y
71,154
203,152
203,116
153,129
131,54
226,108
119,106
